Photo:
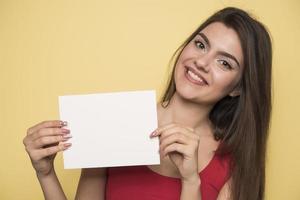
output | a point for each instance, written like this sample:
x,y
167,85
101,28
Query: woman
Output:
x,y
213,124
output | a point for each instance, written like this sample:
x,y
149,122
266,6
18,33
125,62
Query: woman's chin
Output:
x,y
193,97
187,95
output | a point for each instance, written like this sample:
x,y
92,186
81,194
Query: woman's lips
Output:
x,y
194,77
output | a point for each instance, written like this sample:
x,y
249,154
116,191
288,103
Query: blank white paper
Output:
x,y
110,129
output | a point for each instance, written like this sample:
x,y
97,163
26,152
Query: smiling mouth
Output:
x,y
194,78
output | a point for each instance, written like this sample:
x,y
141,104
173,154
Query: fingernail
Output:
x,y
65,130
67,136
67,145
153,133
64,123
65,139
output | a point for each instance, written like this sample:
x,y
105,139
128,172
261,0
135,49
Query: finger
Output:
x,y
174,138
172,130
163,128
49,132
44,132
157,131
49,140
46,124
42,153
166,130
175,147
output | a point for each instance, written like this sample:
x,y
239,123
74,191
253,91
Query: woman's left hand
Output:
x,y
180,143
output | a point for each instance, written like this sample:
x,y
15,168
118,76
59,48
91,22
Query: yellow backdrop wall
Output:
x,y
52,48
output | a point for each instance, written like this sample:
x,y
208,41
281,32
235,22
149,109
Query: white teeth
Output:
x,y
195,76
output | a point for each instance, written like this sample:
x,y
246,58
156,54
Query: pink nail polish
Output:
x,y
65,130
67,136
67,145
153,133
64,123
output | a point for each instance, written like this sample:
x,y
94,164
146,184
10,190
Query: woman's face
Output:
x,y
210,66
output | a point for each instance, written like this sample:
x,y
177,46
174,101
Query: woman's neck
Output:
x,y
185,112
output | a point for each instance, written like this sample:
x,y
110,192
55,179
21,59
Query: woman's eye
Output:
x,y
199,44
225,64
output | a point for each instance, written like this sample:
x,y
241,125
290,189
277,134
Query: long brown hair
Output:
x,y
241,123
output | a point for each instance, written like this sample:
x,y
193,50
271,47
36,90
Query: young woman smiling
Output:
x,y
213,124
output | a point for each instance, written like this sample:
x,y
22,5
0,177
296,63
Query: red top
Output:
x,y
141,183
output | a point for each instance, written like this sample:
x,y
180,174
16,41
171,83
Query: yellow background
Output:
x,y
57,47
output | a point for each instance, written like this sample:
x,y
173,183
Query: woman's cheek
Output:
x,y
223,84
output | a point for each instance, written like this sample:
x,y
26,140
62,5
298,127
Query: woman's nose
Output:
x,y
202,64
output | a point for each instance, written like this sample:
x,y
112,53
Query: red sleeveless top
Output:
x,y
141,183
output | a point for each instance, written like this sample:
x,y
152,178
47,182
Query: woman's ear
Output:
x,y
234,93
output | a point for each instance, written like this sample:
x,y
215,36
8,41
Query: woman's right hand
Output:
x,y
42,143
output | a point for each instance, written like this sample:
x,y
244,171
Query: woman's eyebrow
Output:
x,y
204,38
223,53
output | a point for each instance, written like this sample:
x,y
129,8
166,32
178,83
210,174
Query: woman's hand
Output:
x,y
42,143
181,145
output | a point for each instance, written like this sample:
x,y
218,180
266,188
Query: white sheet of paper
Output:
x,y
110,129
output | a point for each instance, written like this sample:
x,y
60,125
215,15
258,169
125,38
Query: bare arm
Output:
x,y
51,186
42,142
181,144
191,190
91,184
